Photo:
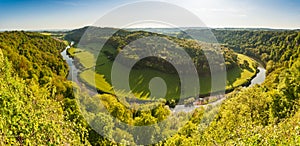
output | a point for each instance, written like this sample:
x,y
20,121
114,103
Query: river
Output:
x,y
260,76
73,71
73,76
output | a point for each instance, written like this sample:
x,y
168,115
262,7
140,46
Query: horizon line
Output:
x,y
149,27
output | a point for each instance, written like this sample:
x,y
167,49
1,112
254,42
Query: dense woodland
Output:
x,y
269,46
33,91
38,105
36,57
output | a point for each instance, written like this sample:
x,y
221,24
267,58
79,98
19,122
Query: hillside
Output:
x,y
36,57
33,90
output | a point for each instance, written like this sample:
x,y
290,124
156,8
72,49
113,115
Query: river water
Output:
x,y
73,71
260,76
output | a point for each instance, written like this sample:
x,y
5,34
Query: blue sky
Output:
x,y
69,14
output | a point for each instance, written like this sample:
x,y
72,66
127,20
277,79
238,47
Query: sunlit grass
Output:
x,y
93,79
46,33
243,74
85,58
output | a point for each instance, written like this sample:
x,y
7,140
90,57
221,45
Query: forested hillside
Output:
x,y
268,46
36,57
30,115
274,48
33,91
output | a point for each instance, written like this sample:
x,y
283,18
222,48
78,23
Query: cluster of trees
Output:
x,y
35,95
265,45
105,115
269,46
37,57
30,114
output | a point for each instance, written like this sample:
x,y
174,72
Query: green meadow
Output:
x,y
139,78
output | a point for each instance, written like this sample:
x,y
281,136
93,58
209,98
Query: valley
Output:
x,y
41,78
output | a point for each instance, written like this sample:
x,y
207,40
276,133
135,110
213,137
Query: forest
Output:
x,y
39,106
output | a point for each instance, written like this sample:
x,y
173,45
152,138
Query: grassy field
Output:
x,y
57,36
71,51
139,78
46,33
238,76
89,77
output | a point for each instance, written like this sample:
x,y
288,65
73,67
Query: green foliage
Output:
x,y
29,115
34,90
104,124
274,46
36,56
139,114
